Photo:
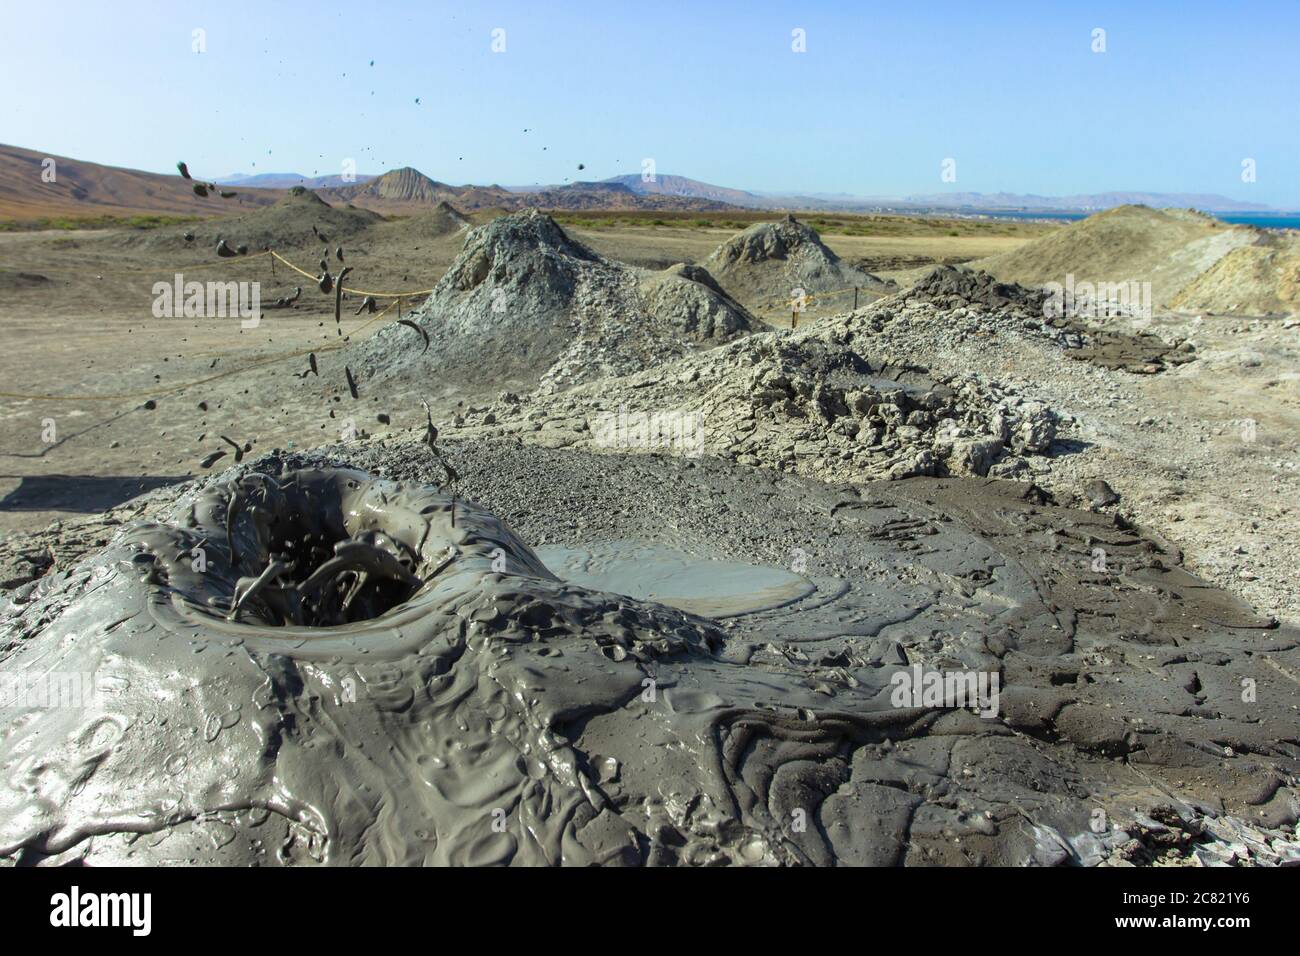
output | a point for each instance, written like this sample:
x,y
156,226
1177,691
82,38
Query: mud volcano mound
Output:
x,y
16,281
497,714
970,301
951,287
688,298
440,672
524,303
284,224
763,265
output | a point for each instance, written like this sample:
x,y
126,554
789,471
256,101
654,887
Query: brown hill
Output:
x,y
408,190
83,190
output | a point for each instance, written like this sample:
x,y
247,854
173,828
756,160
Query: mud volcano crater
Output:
x,y
318,552
322,548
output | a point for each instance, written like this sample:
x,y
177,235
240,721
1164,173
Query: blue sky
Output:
x,y
885,92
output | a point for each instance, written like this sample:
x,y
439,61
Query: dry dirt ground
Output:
x,y
85,352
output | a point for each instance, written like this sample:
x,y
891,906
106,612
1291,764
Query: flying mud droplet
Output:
x,y
423,334
239,449
338,295
431,441
352,382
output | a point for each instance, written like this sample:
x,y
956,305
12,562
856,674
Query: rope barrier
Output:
x,y
190,267
378,295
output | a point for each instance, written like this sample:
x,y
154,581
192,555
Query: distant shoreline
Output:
x,y
1263,220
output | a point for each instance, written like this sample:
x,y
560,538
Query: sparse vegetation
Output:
x,y
95,222
847,224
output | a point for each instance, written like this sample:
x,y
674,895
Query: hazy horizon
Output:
x,y
1016,98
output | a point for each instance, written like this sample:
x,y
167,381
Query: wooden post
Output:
x,y
855,298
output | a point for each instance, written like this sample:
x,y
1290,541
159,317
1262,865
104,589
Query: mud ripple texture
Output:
x,y
501,715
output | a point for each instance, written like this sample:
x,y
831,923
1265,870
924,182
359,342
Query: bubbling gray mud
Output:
x,y
501,715
715,589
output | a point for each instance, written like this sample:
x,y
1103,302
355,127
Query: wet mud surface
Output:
x,y
515,708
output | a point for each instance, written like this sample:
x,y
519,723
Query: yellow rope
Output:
x,y
156,270
378,295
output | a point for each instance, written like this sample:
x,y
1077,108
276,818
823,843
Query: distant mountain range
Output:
x,y
689,188
685,187
407,189
84,189
289,180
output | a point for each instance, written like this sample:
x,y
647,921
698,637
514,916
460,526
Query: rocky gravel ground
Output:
x,y
977,381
